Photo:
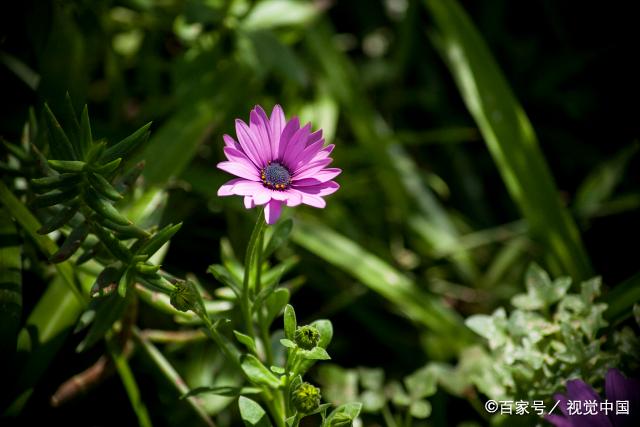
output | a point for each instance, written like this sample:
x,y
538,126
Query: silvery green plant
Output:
x,y
550,336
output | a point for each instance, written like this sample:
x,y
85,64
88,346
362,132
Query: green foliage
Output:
x,y
551,336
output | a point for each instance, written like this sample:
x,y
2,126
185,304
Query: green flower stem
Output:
x,y
129,382
388,418
245,302
47,246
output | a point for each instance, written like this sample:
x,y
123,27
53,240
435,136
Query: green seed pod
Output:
x,y
306,398
307,337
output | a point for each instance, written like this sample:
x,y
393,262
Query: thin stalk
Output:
x,y
245,302
388,418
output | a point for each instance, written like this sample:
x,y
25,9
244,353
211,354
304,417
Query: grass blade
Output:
x,y
509,136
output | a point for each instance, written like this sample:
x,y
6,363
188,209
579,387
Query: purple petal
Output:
x,y
295,146
248,202
323,189
238,169
250,144
579,390
230,142
308,170
277,123
306,155
618,388
290,197
237,156
314,137
322,176
559,421
288,132
227,188
259,124
272,211
247,188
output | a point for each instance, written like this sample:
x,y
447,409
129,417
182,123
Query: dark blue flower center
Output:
x,y
276,176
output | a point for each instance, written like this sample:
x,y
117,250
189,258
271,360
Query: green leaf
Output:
x,y
54,197
70,119
252,413
60,181
59,143
275,303
288,343
509,136
224,390
72,166
316,353
58,220
109,310
257,373
103,187
10,284
380,277
108,168
106,283
104,208
600,184
277,13
85,131
422,383
152,245
71,243
290,324
247,341
127,145
225,277
420,409
344,415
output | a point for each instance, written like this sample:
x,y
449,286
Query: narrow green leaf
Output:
x,y
290,324
58,220
383,279
225,277
70,119
86,139
257,373
275,303
224,390
247,341
59,144
61,181
152,245
54,197
10,285
71,243
72,166
509,136
106,283
104,208
108,168
109,310
127,145
103,187
117,248
252,413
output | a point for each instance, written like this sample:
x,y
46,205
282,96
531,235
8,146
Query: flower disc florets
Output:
x,y
276,176
306,398
307,337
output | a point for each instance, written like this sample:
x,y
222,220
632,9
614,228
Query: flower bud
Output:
x,y
307,337
306,398
185,297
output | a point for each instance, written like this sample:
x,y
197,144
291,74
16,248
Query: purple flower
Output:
x,y
593,411
277,163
